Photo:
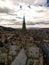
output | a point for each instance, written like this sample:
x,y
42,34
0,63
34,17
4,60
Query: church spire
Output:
x,y
24,24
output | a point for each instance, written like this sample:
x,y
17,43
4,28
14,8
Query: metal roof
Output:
x,y
20,59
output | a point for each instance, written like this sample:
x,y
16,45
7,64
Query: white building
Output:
x,y
33,52
12,50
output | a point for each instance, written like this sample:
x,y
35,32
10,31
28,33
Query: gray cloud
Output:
x,y
23,1
30,1
42,22
5,10
11,21
10,11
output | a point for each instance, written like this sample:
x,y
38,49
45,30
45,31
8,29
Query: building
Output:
x,y
24,25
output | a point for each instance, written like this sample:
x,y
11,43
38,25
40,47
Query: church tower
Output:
x,y
24,24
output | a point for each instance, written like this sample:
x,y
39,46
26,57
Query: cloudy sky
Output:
x,y
36,13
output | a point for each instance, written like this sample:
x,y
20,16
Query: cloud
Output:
x,y
42,2
4,10
30,1
23,1
11,13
